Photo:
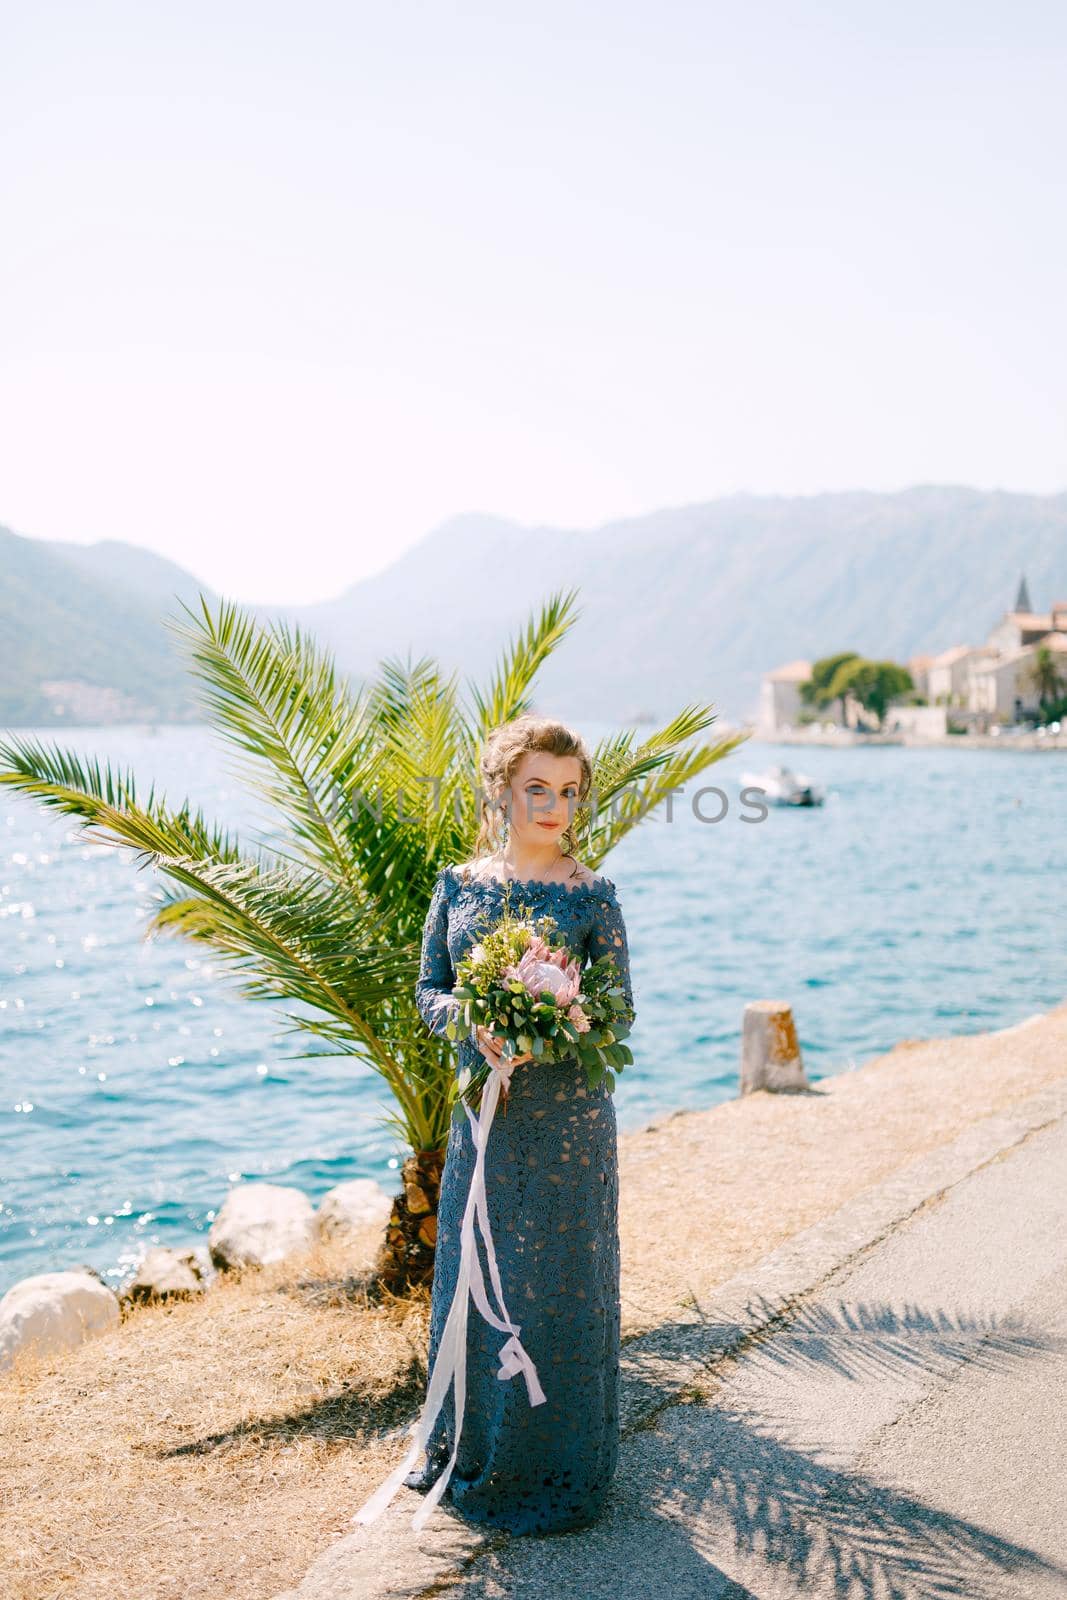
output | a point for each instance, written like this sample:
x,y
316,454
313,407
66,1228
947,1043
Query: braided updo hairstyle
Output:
x,y
504,748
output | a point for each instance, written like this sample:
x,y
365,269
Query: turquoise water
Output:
x,y
926,898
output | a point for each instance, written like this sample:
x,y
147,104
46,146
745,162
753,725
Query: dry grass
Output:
x,y
209,1447
215,1448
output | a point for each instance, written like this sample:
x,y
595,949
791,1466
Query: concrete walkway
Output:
x,y
879,1410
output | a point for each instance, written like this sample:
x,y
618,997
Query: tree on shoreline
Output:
x,y
872,684
1047,681
818,689
373,791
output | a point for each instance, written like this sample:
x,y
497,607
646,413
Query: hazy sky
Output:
x,y
283,286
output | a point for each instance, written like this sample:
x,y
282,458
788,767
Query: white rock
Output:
x,y
164,1274
199,1258
348,1207
55,1311
259,1223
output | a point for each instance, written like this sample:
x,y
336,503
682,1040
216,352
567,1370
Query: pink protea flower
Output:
x,y
541,968
576,1015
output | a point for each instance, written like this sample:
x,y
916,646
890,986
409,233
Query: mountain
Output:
x,y
695,603
81,637
129,569
688,604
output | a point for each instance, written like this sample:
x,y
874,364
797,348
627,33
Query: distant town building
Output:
x,y
947,675
919,667
73,700
1004,687
1018,628
1001,686
978,684
780,702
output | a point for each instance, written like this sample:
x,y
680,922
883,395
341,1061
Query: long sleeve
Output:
x,y
436,980
608,934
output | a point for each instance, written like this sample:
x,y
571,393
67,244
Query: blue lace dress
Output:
x,y
552,1187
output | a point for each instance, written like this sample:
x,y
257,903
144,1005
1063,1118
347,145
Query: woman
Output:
x,y
550,1169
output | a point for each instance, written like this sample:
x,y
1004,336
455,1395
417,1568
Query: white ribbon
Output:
x,y
451,1361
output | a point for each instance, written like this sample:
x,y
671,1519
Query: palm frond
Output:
x,y
290,935
507,695
105,801
277,697
632,778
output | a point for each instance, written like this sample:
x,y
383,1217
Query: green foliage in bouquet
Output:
x,y
583,1015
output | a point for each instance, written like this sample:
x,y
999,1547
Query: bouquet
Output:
x,y
527,987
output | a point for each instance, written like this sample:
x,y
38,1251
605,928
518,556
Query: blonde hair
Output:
x,y
505,746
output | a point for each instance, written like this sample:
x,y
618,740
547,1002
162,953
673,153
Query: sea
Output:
x,y
927,897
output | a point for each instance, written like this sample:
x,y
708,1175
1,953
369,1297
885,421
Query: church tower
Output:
x,y
1022,599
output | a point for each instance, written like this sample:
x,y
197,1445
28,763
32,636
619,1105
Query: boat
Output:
x,y
782,786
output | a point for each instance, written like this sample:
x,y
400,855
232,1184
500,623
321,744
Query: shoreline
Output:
x,y
261,1414
848,739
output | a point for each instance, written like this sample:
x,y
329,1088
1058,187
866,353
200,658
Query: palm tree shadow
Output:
x,y
709,1500
712,1506
370,1404
858,1340
747,1497
359,1414
703,1489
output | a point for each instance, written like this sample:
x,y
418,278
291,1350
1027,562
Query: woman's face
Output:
x,y
543,797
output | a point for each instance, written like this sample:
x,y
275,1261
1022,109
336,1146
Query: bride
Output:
x,y
533,1456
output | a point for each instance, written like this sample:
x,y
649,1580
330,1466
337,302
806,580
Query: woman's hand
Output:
x,y
492,1049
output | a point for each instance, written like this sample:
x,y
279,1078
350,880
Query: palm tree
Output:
x,y
1044,677
374,789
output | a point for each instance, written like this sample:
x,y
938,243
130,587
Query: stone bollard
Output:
x,y
770,1051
